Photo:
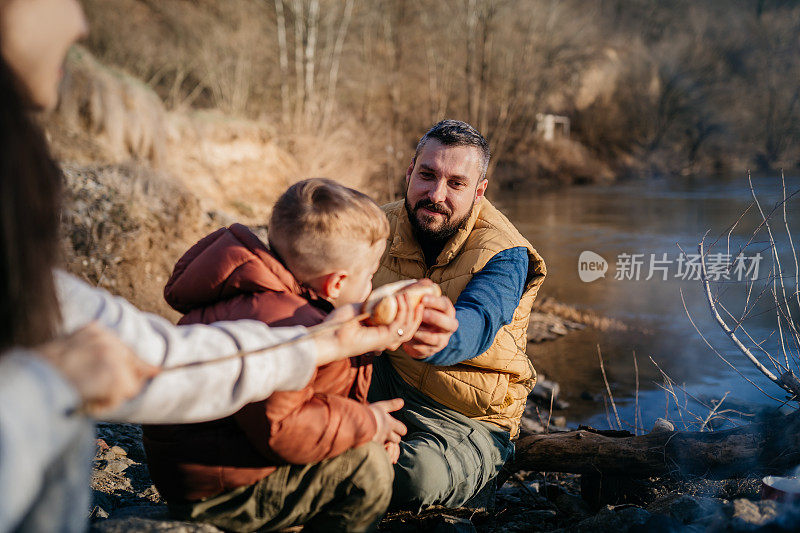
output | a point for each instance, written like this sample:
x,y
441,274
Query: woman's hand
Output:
x,y
103,370
354,338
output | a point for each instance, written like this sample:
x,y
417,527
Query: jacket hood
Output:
x,y
229,262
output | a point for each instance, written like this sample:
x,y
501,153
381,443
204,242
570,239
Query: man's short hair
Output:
x,y
317,225
451,132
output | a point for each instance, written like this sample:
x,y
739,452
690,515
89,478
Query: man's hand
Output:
x,y
103,370
354,338
390,430
438,324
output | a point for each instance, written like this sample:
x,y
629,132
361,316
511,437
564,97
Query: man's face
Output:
x,y
443,184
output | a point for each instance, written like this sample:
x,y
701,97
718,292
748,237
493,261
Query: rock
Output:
x,y
540,515
449,524
117,451
662,425
531,426
102,505
523,518
684,508
143,525
150,493
548,326
117,466
747,515
619,519
601,490
119,480
659,523
749,512
97,513
571,506
151,512
530,520
544,389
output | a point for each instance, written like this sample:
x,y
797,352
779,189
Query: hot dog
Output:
x,y
382,303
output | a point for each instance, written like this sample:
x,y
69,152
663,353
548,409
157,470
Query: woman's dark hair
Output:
x,y
30,193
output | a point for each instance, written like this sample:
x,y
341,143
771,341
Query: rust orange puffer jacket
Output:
x,y
228,275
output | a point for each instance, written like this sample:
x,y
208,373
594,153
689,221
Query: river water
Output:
x,y
636,223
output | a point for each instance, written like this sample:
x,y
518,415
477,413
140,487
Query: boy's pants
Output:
x,y
349,492
446,458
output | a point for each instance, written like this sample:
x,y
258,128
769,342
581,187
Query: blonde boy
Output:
x,y
321,456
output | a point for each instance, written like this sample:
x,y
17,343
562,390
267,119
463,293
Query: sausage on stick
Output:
x,y
382,303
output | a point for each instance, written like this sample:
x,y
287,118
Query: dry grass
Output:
x,y
589,318
124,227
119,117
143,184
556,163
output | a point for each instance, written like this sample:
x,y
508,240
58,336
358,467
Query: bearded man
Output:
x,y
464,376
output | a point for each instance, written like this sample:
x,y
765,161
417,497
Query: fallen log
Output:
x,y
769,446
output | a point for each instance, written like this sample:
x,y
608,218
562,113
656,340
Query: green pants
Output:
x,y
349,492
446,458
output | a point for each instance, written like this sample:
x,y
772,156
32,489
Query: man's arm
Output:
x,y
485,305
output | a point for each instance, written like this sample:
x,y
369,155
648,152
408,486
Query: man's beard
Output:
x,y
437,237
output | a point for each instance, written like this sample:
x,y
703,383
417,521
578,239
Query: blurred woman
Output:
x,y
59,359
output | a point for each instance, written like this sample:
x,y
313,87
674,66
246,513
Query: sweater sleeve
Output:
x,y
485,305
198,393
34,428
305,427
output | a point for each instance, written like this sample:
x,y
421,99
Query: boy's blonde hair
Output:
x,y
316,222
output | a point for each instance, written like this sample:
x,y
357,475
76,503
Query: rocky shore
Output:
x,y
125,498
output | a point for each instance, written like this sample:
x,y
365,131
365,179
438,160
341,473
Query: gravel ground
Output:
x,y
126,500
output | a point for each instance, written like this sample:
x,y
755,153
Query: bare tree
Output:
x,y
284,60
781,291
333,72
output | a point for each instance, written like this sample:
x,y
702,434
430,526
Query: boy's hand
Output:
x,y
438,324
393,451
390,430
354,338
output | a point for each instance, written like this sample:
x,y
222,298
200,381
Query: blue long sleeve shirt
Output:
x,y
485,305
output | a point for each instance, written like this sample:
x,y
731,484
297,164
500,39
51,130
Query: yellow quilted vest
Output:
x,y
493,386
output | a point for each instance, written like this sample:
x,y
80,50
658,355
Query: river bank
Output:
x,y
125,498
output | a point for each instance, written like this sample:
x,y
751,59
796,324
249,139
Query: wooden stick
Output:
x,y
608,388
311,332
